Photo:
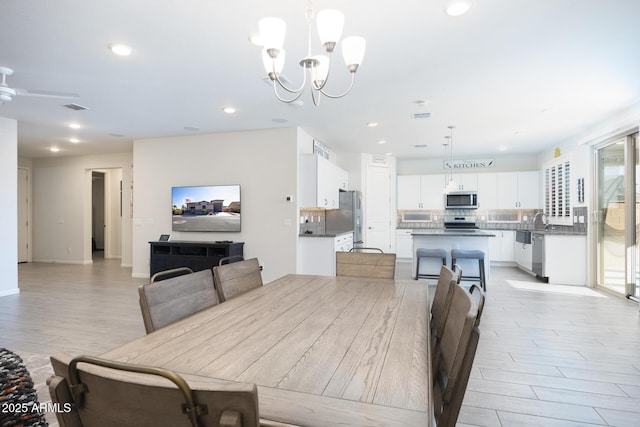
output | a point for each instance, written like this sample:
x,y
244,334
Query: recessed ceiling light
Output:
x,y
457,7
74,125
372,124
388,153
229,110
421,103
503,148
120,49
382,141
74,140
54,149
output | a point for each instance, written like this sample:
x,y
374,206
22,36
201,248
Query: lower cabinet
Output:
x,y
404,243
501,246
565,259
318,254
524,255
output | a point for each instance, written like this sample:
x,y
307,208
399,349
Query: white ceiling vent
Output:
x,y
76,107
421,115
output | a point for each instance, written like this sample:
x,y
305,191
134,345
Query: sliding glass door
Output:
x,y
618,216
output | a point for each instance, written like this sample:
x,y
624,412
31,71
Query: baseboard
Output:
x,y
64,261
139,275
10,292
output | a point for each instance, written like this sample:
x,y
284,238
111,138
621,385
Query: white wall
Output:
x,y
61,207
264,163
9,213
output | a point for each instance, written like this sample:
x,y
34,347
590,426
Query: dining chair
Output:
x,y
440,305
236,278
457,349
90,391
360,263
167,274
478,294
169,300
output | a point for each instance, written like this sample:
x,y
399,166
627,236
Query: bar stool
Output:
x,y
429,253
471,254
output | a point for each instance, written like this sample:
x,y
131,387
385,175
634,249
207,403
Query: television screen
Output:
x,y
206,208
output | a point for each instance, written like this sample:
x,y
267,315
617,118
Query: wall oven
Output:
x,y
461,200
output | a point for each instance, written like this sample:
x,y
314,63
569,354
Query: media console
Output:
x,y
195,255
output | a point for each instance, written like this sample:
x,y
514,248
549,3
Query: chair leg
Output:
x,y
417,268
483,280
453,262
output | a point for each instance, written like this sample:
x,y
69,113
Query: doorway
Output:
x,y
106,213
23,215
377,208
617,216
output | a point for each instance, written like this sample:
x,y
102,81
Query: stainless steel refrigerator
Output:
x,y
347,217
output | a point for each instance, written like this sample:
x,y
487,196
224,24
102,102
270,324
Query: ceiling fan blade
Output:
x,y
47,94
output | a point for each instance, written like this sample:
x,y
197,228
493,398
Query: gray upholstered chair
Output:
x,y
236,278
455,356
169,300
97,392
359,263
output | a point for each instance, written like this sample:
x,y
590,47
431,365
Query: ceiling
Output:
x,y
519,76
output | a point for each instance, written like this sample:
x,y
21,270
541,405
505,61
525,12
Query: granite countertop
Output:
x,y
451,233
324,234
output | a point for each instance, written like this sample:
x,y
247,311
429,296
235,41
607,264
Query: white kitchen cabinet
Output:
x,y
404,243
524,255
501,246
488,190
420,192
565,259
466,181
320,182
518,190
318,254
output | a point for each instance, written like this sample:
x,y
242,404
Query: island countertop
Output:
x,y
451,233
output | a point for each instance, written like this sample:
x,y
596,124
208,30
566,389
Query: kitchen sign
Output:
x,y
469,164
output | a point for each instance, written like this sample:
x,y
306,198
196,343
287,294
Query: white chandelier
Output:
x,y
330,23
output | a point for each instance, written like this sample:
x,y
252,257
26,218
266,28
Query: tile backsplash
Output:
x,y
312,220
503,219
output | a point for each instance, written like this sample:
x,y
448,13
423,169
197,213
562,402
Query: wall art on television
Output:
x,y
206,208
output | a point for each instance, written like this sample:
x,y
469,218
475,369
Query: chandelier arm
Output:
x,y
288,101
326,79
315,96
328,95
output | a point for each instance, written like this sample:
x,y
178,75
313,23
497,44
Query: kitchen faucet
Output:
x,y
546,222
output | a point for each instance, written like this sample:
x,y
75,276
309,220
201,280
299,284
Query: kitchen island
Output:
x,y
447,239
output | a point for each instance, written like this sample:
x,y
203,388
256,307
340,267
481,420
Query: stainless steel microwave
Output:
x,y
461,200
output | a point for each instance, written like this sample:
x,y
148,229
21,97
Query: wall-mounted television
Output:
x,y
206,208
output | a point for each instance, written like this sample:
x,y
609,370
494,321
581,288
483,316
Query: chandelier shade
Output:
x,y
315,68
330,23
353,50
272,32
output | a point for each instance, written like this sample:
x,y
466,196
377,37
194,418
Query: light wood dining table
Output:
x,y
323,351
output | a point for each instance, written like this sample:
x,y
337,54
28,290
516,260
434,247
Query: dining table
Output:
x,y
322,350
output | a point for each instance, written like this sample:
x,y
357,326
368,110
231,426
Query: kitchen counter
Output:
x,y
439,238
452,233
324,234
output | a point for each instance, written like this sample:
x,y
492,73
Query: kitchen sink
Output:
x,y
523,236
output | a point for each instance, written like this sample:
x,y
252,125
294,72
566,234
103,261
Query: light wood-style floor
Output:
x,y
548,355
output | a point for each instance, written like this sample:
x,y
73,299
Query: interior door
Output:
x,y
378,208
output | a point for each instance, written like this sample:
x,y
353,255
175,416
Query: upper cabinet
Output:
x,y
518,190
320,182
496,190
420,192
557,191
466,181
